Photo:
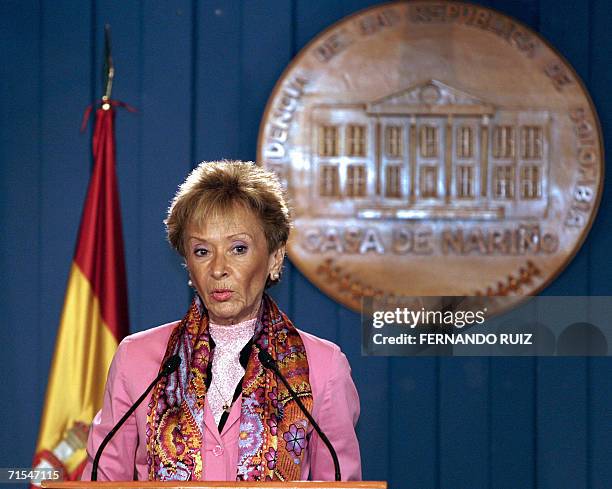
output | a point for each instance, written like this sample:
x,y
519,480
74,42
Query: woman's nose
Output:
x,y
219,266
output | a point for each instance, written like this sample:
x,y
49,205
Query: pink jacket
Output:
x,y
135,365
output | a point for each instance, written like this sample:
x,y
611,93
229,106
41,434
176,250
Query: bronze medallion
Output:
x,y
433,148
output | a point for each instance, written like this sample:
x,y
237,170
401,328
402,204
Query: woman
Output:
x,y
221,415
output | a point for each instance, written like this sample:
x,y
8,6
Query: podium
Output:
x,y
214,484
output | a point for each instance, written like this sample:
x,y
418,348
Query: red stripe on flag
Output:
x,y
99,252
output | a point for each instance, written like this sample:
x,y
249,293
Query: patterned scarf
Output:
x,y
272,439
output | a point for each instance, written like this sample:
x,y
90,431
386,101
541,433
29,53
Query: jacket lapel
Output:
x,y
210,427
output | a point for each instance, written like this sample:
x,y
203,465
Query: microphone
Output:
x,y
268,362
169,366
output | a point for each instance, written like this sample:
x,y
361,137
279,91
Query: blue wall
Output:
x,y
200,74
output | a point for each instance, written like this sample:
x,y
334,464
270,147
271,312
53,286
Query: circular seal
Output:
x,y
433,148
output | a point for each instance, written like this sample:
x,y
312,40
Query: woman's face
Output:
x,y
229,263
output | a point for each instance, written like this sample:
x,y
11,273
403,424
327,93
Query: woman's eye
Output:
x,y
240,249
200,252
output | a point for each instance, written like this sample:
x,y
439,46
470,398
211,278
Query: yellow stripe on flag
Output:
x,y
83,352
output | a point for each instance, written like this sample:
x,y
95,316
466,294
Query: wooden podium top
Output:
x,y
214,484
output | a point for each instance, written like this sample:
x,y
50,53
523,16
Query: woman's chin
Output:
x,y
225,313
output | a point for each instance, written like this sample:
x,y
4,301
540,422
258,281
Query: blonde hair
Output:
x,y
218,186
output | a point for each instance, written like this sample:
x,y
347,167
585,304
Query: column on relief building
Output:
x,y
412,158
484,155
448,158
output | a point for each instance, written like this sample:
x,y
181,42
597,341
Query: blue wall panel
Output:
x,y
413,422
217,77
464,422
512,435
165,110
257,82
20,180
200,73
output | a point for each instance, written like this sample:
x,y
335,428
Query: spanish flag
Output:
x,y
94,317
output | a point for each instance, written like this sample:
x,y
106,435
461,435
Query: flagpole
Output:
x,y
109,69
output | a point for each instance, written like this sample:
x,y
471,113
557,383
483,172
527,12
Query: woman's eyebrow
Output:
x,y
229,236
196,237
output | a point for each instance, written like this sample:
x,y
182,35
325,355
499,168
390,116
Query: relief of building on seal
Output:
x,y
429,152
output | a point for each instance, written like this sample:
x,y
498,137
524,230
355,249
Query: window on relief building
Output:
x,y
393,141
531,142
428,141
465,144
393,181
530,182
428,182
503,142
328,141
356,180
465,181
329,181
356,140
503,182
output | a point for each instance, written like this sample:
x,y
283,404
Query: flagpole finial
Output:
x,y
109,69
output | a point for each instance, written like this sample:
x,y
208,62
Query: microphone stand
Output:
x,y
170,366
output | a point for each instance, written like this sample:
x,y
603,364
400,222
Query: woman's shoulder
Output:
x,y
318,346
155,335
139,356
324,356
144,347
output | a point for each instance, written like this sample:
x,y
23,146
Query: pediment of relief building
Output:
x,y
432,94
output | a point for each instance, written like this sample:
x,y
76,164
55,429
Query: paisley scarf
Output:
x,y
272,439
